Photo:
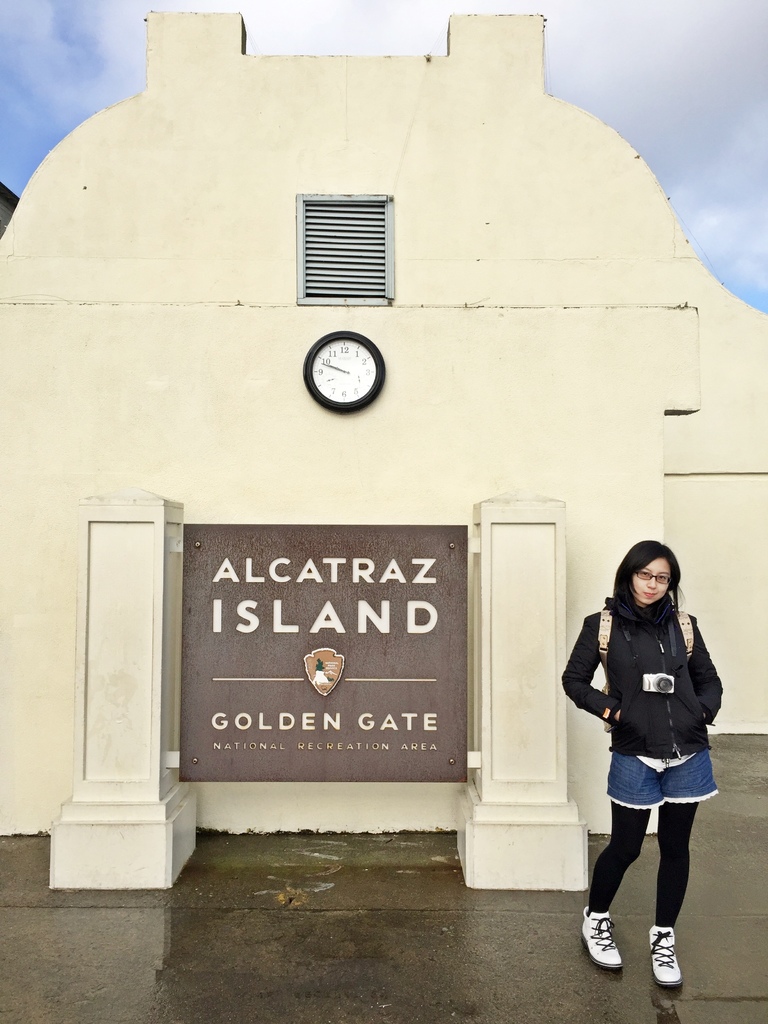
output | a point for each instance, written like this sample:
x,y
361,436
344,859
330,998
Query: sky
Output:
x,y
684,81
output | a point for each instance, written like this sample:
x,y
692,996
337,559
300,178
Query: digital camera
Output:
x,y
658,682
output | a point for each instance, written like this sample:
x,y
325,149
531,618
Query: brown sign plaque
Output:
x,y
324,653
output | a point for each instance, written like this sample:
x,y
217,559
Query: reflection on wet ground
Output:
x,y
339,928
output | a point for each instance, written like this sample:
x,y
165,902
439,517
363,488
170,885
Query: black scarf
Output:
x,y
623,606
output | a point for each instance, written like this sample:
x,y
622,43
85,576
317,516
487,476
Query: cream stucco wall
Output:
x,y
152,338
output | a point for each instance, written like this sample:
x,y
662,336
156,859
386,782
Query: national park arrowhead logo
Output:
x,y
324,668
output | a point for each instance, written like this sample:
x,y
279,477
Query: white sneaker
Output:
x,y
597,936
665,967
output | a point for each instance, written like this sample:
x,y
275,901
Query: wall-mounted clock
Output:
x,y
344,371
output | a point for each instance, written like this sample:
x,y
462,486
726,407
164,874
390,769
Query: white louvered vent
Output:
x,y
345,249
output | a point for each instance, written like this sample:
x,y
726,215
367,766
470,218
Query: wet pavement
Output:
x,y
340,928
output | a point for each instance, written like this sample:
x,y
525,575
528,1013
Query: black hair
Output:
x,y
638,557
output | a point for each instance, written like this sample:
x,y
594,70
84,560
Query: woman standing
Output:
x,y
658,706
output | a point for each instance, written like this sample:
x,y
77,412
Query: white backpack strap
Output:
x,y
603,639
604,633
687,630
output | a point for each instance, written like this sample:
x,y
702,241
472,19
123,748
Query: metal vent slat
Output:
x,y
365,263
334,249
348,234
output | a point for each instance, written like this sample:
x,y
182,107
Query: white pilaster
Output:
x,y
517,827
130,824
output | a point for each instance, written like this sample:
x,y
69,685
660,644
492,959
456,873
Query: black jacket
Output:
x,y
651,724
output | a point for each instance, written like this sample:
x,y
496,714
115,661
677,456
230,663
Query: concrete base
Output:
x,y
521,846
123,846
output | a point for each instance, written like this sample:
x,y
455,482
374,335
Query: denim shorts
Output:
x,y
633,784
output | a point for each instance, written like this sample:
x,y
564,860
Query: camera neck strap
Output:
x,y
635,657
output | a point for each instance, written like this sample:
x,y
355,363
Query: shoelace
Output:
x,y
663,955
601,933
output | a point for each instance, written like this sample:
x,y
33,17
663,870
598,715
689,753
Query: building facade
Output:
x,y
530,289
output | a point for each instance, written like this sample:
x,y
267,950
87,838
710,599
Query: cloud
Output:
x,y
62,61
724,204
686,83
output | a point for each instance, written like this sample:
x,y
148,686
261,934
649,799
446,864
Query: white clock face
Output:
x,y
344,370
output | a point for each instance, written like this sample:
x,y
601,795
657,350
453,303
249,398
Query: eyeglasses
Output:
x,y
662,578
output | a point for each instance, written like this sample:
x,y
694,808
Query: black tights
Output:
x,y
628,826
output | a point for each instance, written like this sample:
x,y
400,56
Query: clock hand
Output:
x,y
339,368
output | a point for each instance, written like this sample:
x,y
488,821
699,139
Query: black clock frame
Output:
x,y
361,403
